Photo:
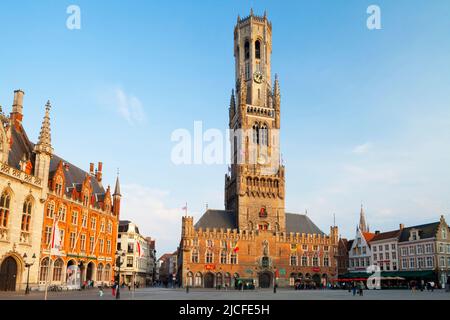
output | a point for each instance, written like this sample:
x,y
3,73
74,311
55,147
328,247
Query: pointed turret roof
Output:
x,y
117,188
362,221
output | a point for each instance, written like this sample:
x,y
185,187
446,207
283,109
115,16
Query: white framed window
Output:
x,y
293,261
404,263
429,248
74,218
430,262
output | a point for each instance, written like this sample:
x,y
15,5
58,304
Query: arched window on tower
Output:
x,y
264,131
257,49
255,134
247,50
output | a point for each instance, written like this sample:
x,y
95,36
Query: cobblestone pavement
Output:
x,y
210,294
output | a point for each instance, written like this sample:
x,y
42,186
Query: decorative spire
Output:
x,y
362,221
44,143
251,11
276,92
117,187
232,100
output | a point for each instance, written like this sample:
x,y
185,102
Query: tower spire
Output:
x,y
117,187
362,220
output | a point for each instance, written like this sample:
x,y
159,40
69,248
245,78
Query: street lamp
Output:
x,y
119,254
28,265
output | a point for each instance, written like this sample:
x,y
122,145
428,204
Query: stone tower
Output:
x,y
254,186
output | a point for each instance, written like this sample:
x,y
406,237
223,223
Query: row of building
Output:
x,y
40,190
413,253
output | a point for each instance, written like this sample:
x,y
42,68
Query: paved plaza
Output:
x,y
211,294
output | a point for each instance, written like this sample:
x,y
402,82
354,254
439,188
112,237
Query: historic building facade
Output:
x,y
254,239
87,216
137,264
40,190
23,191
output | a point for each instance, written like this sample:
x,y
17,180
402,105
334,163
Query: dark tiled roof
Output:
x,y
217,219
386,235
21,146
349,244
74,176
124,225
227,220
425,231
301,223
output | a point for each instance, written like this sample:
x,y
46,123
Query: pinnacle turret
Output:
x,y
44,143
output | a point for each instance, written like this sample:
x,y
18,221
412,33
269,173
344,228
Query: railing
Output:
x,y
16,173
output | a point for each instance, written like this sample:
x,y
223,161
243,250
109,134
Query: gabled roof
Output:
x,y
368,236
74,176
426,231
21,146
386,235
349,244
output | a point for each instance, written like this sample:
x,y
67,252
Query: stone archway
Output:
x,y
8,274
265,280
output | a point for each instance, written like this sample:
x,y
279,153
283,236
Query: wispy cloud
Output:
x,y
129,107
126,105
362,148
148,208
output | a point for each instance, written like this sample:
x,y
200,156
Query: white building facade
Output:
x,y
138,256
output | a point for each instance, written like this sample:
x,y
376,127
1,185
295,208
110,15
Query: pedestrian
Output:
x,y
432,286
113,288
361,288
129,286
422,285
447,288
100,291
354,288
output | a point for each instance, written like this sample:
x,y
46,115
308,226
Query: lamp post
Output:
x,y
28,265
119,255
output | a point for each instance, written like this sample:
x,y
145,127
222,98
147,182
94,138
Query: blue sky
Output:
x,y
365,114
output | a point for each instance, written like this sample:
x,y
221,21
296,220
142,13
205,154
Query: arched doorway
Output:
x,y
316,278
8,274
209,280
265,280
90,271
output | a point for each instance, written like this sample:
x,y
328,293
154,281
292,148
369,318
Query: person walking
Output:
x,y
361,288
113,288
354,288
100,291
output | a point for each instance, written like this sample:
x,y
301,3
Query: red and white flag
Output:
x,y
139,250
56,240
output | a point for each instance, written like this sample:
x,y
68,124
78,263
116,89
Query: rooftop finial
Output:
x,y
251,11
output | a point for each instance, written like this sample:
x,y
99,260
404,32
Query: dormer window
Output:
x,y
58,186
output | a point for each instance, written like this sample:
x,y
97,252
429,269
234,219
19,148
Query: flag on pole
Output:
x,y
236,248
185,209
56,240
140,252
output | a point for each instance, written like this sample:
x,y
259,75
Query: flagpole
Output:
x,y
50,259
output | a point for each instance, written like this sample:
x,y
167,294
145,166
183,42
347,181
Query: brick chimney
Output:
x,y
91,168
17,107
98,174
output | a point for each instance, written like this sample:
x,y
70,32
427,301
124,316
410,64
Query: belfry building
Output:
x,y
254,240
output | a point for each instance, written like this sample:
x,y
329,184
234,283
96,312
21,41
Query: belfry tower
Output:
x,y
254,186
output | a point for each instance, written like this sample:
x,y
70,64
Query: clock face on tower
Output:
x,y
258,77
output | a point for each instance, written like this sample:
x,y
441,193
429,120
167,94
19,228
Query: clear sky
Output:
x,y
365,113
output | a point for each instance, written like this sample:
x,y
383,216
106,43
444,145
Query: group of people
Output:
x,y
357,287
